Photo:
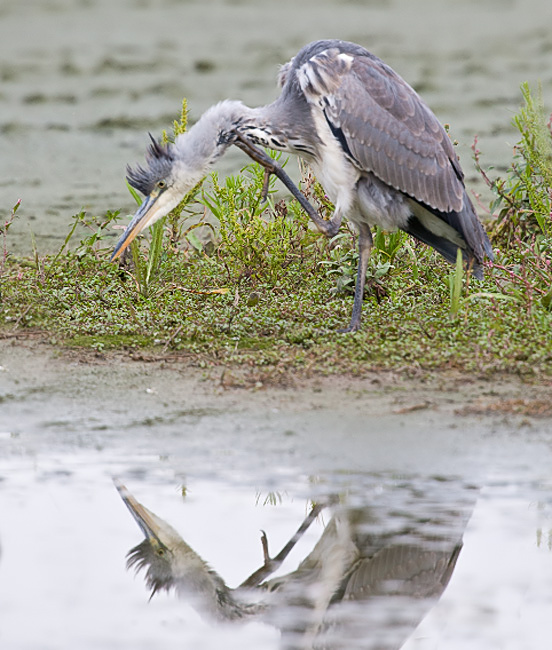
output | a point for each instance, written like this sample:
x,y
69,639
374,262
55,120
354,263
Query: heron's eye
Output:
x,y
160,552
161,184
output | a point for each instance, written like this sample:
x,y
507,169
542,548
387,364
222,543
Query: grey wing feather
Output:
x,y
386,128
406,570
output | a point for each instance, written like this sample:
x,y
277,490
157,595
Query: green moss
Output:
x,y
107,341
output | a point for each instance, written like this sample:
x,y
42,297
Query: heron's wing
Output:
x,y
384,126
404,570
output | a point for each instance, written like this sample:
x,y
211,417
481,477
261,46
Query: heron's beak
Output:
x,y
146,214
148,522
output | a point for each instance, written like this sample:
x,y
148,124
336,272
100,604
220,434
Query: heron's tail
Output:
x,y
447,232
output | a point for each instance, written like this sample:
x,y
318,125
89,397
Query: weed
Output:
x,y
524,196
270,293
4,230
99,229
257,240
456,279
147,267
523,225
343,260
536,150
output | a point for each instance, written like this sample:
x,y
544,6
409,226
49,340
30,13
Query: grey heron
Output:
x,y
380,153
356,574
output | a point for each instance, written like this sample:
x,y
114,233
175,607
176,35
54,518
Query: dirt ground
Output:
x,y
29,363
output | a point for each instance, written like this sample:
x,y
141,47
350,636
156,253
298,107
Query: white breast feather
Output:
x,y
336,174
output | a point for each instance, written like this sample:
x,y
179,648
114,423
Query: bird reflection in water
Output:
x,y
365,584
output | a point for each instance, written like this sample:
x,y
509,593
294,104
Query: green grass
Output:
x,y
268,296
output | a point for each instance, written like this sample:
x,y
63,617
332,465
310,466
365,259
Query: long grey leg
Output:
x,y
271,564
364,248
329,228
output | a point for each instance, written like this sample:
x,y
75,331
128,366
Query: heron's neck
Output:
x,y
205,142
209,594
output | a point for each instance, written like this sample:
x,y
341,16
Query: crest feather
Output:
x,y
158,570
159,159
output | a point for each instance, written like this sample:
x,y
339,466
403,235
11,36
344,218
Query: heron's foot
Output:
x,y
264,543
271,564
266,181
329,228
353,326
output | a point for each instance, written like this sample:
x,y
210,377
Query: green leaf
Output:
x,y
194,241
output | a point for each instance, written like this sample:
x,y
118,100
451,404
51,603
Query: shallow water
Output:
x,y
65,534
83,81
68,427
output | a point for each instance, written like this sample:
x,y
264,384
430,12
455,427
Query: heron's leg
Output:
x,y
329,228
271,564
364,248
266,181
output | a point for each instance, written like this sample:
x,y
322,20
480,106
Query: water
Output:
x,y
65,533
68,428
500,593
83,81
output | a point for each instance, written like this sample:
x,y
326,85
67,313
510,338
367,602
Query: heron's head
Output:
x,y
169,562
163,181
161,549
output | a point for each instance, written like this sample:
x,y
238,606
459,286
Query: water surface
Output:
x,y
84,81
68,428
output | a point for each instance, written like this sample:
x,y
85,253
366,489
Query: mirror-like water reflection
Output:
x,y
375,570
368,570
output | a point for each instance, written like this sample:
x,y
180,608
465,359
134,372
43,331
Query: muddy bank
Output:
x,y
53,399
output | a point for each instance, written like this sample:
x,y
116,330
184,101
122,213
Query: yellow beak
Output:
x,y
146,214
146,520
